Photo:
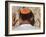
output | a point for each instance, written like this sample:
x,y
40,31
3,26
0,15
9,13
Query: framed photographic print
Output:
x,y
24,18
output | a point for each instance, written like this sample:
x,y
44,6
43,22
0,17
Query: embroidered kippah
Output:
x,y
25,11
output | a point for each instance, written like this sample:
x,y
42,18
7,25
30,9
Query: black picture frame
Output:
x,y
6,18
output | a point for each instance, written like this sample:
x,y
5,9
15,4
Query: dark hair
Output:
x,y
29,17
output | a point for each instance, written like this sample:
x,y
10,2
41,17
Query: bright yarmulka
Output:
x,y
25,11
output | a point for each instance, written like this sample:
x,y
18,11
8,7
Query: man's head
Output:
x,y
26,14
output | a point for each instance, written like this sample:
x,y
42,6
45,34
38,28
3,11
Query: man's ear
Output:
x,y
31,18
